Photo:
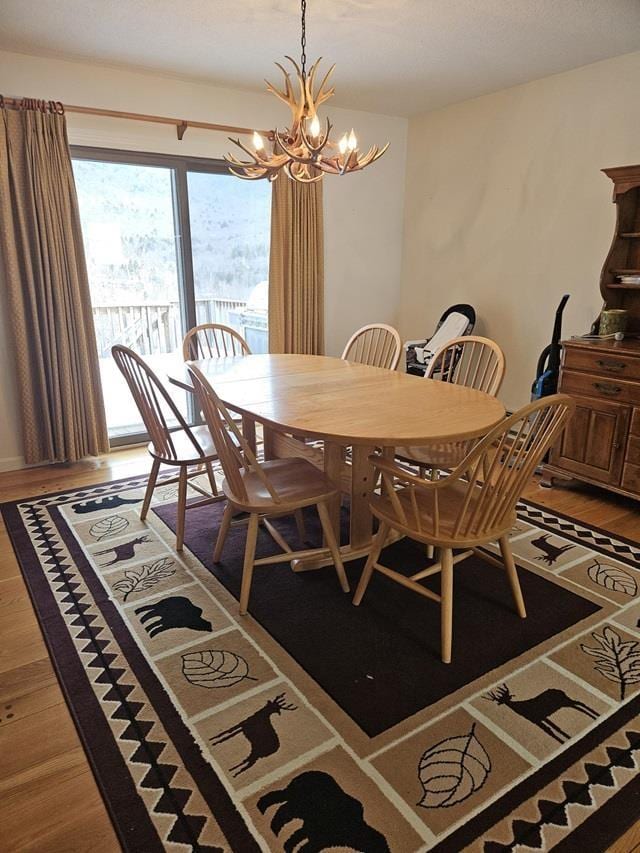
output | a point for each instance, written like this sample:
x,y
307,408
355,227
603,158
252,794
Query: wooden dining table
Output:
x,y
299,398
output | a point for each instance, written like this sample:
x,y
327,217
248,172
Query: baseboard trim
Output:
x,y
12,463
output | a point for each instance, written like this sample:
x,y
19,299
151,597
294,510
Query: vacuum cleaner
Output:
x,y
548,369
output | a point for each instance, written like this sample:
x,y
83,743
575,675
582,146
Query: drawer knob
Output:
x,y
611,366
607,388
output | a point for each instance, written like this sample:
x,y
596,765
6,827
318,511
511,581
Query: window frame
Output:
x,y
180,166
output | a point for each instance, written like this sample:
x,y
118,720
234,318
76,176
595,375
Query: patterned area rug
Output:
x,y
313,725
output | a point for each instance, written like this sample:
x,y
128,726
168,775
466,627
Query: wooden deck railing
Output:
x,y
154,327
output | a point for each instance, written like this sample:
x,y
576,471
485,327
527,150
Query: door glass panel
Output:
x,y
230,246
127,216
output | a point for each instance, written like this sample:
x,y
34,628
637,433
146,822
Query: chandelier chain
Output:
x,y
303,37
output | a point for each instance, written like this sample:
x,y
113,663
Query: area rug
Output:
x,y
313,725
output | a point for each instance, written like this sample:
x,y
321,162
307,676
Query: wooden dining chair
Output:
x,y
213,340
181,447
471,361
472,506
377,345
264,490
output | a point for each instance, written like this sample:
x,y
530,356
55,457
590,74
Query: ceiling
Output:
x,y
398,57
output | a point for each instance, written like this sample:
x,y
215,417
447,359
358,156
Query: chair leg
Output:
x,y
249,556
182,507
332,545
225,524
153,476
302,530
376,547
446,603
212,479
433,475
512,575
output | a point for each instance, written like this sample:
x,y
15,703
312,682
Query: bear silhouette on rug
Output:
x,y
330,817
174,612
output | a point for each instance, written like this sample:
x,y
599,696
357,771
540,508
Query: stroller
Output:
x,y
456,321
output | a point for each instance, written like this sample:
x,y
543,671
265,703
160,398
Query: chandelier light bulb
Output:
x,y
353,142
258,142
342,144
314,127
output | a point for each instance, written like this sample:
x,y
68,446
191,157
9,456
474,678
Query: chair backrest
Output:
x,y
377,345
471,361
233,450
213,340
491,479
153,402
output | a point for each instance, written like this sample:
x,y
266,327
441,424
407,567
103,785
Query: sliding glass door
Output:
x,y
170,242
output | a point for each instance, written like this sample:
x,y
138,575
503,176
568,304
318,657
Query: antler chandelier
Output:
x,y
303,151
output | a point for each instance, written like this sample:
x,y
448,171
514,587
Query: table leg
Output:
x,y
249,432
333,459
362,483
268,442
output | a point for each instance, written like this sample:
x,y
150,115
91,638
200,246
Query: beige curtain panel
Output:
x,y
296,268
47,291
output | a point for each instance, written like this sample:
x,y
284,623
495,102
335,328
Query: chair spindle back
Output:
x,y
471,361
491,479
377,345
233,449
153,402
213,340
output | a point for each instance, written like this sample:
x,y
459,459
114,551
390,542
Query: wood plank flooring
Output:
x,y
49,799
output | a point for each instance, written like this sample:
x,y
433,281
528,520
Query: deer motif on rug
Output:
x,y
539,709
550,552
125,551
259,731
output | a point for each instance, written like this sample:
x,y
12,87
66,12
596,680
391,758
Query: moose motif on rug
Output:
x,y
259,730
174,612
108,502
538,709
330,817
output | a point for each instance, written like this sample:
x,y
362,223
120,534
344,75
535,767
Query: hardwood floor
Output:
x,y
50,801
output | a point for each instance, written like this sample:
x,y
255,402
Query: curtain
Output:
x,y
296,268
43,266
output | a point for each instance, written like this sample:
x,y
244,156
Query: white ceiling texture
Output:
x,y
398,57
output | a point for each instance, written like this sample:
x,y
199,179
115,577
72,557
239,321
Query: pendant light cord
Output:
x,y
303,37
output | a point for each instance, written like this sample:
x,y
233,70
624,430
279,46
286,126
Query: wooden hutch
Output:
x,y
601,444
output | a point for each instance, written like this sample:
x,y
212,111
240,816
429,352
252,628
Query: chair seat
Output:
x,y
296,481
449,502
447,454
186,453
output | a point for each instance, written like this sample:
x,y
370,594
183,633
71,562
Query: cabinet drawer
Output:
x,y
635,422
602,363
631,478
633,450
601,387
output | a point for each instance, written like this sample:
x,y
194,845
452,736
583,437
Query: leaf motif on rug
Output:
x,y
112,525
616,659
149,575
612,578
215,668
452,770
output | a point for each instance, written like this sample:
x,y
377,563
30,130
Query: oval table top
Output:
x,y
329,398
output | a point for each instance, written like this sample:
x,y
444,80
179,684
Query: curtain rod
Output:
x,y
180,125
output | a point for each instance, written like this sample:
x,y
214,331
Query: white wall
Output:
x,y
506,207
363,212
